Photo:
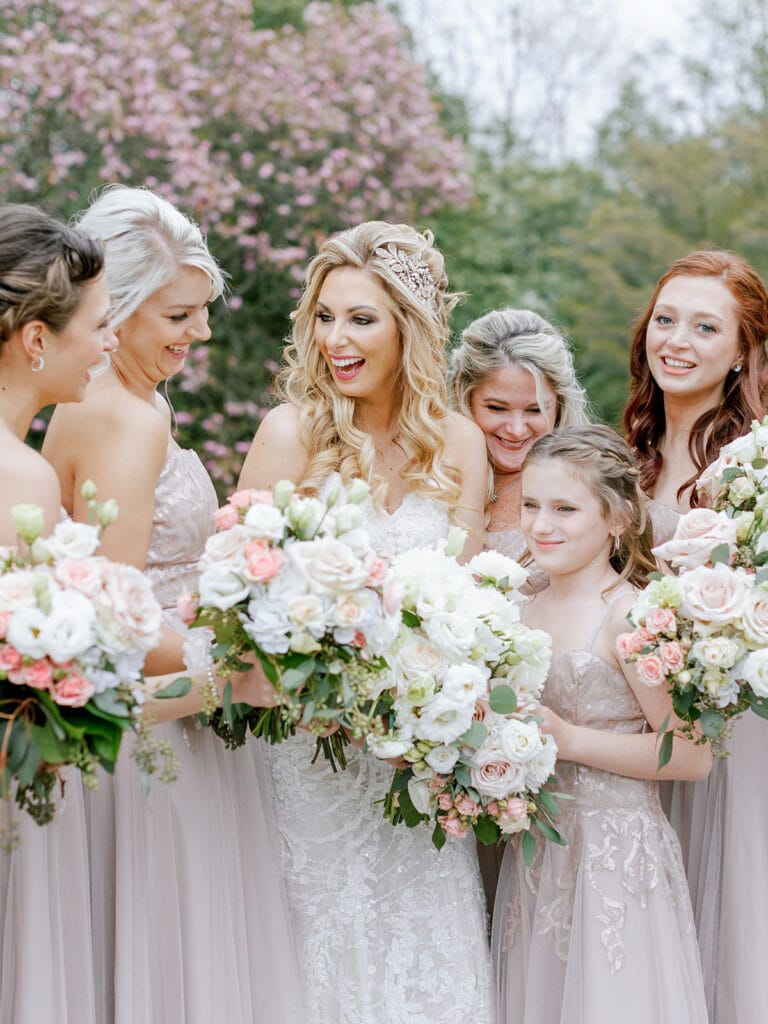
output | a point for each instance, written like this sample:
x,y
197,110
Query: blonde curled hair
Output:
x,y
607,465
420,304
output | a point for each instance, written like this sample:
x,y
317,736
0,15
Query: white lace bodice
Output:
x,y
390,930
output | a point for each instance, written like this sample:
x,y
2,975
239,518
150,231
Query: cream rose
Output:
x,y
697,533
328,565
132,604
713,596
754,617
496,776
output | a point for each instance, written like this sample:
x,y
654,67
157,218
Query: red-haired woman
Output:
x,y
699,376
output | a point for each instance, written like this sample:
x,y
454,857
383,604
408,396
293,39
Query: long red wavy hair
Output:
x,y
745,392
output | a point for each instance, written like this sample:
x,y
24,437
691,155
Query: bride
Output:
x,y
390,930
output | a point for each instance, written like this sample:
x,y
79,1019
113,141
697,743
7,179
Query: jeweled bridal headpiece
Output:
x,y
413,272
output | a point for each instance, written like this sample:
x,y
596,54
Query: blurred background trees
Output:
x,y
276,122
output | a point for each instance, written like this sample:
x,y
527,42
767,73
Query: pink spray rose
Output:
x,y
650,669
72,691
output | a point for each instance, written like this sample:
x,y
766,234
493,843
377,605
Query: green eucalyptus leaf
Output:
x,y
177,688
503,700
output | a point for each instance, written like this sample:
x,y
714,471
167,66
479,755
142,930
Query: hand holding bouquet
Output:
x,y
295,580
465,676
74,631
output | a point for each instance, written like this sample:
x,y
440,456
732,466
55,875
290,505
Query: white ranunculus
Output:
x,y
445,718
24,631
264,521
442,759
73,540
17,590
519,741
220,588
717,651
69,629
328,565
754,670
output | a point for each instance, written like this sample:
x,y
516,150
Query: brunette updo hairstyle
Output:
x,y
43,267
744,390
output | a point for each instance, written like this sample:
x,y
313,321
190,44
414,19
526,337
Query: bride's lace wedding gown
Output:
x,y
389,930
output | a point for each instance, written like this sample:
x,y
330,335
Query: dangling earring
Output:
x,y
736,367
38,364
616,544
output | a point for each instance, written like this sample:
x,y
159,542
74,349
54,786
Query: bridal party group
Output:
x,y
263,885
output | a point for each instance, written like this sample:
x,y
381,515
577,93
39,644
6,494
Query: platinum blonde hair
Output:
x,y
402,261
522,338
146,242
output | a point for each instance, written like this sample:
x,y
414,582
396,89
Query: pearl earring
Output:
x,y
736,367
38,364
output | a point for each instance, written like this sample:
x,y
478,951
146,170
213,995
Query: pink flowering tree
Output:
x,y
271,139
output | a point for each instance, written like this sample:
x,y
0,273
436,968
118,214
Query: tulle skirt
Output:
x,y
190,920
46,952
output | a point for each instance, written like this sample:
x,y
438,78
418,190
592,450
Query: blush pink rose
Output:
x,y
81,574
697,533
629,643
445,802
672,657
660,620
514,816
226,516
492,808
454,827
72,691
40,674
10,658
650,669
466,806
249,496
494,775
262,563
186,606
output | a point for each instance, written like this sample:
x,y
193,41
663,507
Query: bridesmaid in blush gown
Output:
x,y
601,929
390,930
699,374
189,916
54,308
513,374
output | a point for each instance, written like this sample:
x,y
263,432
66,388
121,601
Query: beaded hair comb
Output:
x,y
413,272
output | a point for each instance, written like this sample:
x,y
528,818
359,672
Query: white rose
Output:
x,y
496,776
24,632
540,767
442,759
132,604
73,540
69,630
739,451
265,521
81,574
445,718
754,670
226,546
754,617
519,741
418,657
220,588
17,590
697,533
717,651
713,596
309,612
267,624
328,565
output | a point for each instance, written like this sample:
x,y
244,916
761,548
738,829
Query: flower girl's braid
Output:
x,y
607,466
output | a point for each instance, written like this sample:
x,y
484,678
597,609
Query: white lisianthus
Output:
x,y
445,718
221,588
754,670
519,741
69,629
421,795
17,590
282,493
442,758
24,632
389,745
346,518
28,521
304,515
467,681
493,566
542,765
72,540
415,692
264,521
717,651
455,541
358,491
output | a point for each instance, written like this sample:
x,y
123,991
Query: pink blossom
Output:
x,y
672,657
246,498
72,691
10,658
39,674
262,562
660,620
186,606
377,570
628,643
453,827
226,516
650,668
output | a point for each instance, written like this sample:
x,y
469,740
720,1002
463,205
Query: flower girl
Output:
x,y
601,929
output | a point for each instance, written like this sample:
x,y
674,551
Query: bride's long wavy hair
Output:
x,y
328,421
745,391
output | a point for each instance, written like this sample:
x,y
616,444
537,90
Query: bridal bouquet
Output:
x,y
465,676
296,581
705,632
74,631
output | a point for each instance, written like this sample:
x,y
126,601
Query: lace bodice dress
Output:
x,y
190,914
601,930
390,930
